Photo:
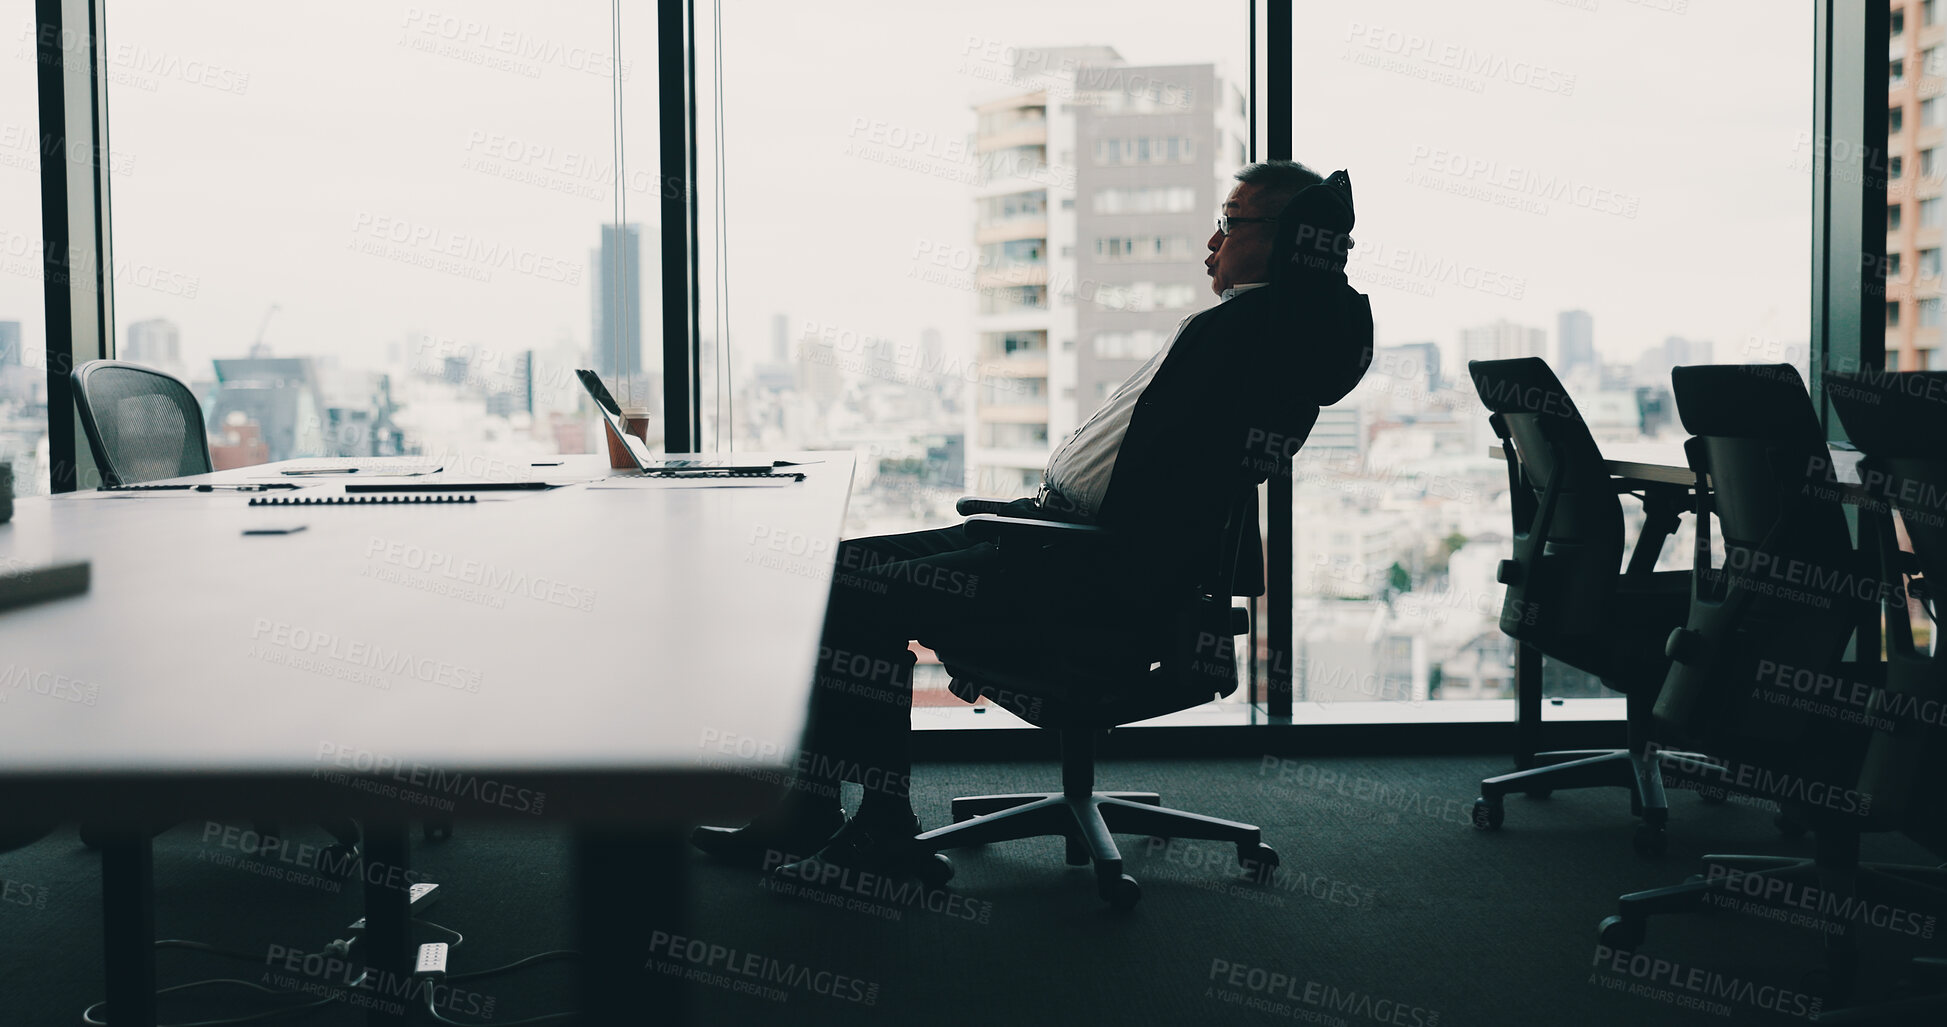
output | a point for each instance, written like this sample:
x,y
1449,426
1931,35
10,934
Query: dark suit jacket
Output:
x,y
1235,398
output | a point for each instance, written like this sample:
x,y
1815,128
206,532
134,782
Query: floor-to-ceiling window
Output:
x,y
1528,184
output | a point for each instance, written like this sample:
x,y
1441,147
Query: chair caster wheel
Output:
x,y
1788,827
1617,933
343,857
935,870
436,830
1487,815
1121,892
1261,859
1540,793
1650,840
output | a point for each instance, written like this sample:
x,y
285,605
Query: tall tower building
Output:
x,y
1574,341
780,339
1096,188
10,354
616,334
1914,165
156,342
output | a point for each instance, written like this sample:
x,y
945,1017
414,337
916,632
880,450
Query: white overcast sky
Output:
x,y
273,188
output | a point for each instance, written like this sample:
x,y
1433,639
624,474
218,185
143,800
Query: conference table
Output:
x,y
619,656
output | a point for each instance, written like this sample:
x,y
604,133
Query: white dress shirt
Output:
x,y
1081,466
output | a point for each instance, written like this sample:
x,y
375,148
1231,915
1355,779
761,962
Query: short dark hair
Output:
x,y
1280,180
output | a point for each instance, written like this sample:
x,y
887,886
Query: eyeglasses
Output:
x,y
1224,221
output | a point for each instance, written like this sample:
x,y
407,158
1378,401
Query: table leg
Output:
x,y
128,928
388,948
1527,695
629,890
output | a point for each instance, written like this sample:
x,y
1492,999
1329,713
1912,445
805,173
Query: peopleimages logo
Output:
x,y
1750,779
370,766
1306,998
1694,987
724,966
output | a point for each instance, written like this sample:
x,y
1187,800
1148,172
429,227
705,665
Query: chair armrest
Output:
x,y
971,505
995,528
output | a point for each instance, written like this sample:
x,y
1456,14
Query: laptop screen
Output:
x,y
612,413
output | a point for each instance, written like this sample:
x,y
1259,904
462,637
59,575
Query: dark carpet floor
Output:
x,y
1388,910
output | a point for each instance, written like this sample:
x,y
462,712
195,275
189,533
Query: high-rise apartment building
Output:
x,y
1502,340
1914,165
1574,341
1097,185
156,342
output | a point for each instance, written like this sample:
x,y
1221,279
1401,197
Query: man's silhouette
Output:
x,y
1218,407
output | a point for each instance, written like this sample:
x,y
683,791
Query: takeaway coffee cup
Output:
x,y
636,422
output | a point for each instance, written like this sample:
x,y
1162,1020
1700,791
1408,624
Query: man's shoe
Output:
x,y
877,845
771,839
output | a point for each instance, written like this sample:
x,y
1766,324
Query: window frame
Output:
x,y
1850,67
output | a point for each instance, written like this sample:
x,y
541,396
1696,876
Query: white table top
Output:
x,y
581,637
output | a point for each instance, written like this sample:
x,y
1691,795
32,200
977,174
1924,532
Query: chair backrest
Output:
x,y
1568,541
142,424
1788,593
1899,422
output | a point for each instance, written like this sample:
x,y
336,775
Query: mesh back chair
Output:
x,y
1084,674
1780,610
142,425
1568,593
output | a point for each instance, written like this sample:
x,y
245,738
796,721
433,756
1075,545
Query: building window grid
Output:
x,y
1143,248
1173,199
1120,150
1013,206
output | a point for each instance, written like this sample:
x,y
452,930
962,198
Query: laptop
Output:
x,y
645,461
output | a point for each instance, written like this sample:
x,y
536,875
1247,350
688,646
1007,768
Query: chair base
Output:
x,y
1641,773
1749,878
1087,821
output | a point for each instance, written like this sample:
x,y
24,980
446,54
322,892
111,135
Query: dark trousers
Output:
x,y
888,590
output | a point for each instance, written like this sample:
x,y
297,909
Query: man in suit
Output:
x,y
1217,408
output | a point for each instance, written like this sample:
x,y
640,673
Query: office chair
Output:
x,y
1901,428
1129,654
1568,593
142,424
1786,597
1083,676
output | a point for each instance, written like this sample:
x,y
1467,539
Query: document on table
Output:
x,y
679,482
